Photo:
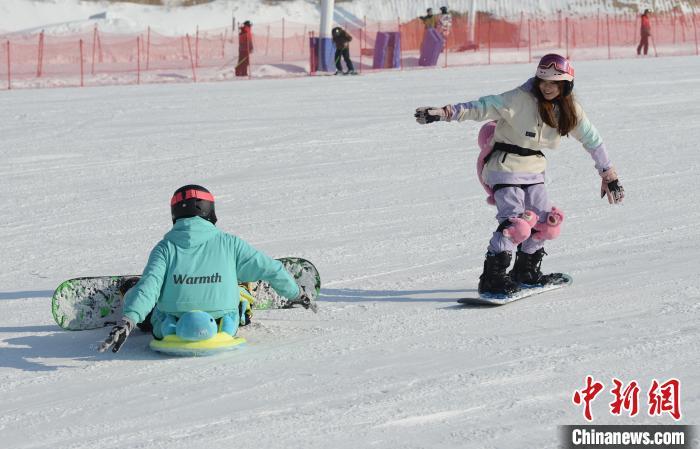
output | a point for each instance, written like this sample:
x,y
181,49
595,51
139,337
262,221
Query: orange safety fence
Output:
x,y
282,48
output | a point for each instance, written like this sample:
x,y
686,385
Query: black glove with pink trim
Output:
x,y
611,186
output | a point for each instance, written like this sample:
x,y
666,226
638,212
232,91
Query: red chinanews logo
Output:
x,y
661,398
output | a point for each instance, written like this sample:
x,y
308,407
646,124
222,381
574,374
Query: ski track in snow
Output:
x,y
337,171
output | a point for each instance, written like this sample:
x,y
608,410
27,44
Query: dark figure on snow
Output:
x,y
429,20
245,48
645,33
342,39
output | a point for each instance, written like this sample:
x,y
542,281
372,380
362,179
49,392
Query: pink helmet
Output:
x,y
554,67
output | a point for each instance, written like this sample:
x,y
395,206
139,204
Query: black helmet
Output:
x,y
192,201
443,9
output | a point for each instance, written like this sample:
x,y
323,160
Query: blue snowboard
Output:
x,y
560,280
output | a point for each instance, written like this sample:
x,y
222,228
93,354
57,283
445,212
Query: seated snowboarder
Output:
x,y
196,267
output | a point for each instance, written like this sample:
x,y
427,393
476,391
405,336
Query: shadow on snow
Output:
x,y
50,351
26,294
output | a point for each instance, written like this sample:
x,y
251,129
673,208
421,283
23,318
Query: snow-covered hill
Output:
x,y
337,171
58,16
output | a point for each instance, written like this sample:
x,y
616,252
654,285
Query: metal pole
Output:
x,y
81,64
9,67
189,47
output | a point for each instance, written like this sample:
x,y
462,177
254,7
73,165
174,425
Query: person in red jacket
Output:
x,y
645,32
245,48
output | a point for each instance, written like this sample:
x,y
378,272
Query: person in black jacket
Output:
x,y
342,39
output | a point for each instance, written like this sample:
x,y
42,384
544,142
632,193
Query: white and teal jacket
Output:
x,y
519,123
197,267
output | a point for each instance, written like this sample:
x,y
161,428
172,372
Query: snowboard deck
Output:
x,y
93,302
561,280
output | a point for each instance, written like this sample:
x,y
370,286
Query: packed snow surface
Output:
x,y
336,170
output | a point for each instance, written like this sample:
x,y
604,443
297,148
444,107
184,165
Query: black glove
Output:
x,y
611,187
430,114
117,335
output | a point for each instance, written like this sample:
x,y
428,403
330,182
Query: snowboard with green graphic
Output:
x,y
93,302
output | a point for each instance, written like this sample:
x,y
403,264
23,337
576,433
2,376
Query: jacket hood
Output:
x,y
191,232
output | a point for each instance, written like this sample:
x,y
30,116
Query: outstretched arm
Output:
x,y
491,107
253,265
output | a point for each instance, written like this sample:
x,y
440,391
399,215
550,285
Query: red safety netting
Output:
x,y
282,48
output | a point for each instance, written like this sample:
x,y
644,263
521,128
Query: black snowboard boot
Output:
x,y
494,279
526,269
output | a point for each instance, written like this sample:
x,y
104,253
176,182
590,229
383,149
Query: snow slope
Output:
x,y
68,16
337,171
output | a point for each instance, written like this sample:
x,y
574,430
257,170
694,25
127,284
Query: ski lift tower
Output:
x,y
326,48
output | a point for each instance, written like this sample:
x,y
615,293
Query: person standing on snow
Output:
x,y
342,39
645,32
445,22
195,249
512,167
245,48
429,20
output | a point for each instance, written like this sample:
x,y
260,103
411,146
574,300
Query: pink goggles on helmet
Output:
x,y
553,67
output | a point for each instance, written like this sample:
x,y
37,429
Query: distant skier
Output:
x,y
512,167
645,33
342,39
196,267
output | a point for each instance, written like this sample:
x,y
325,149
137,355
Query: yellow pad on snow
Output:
x,y
172,344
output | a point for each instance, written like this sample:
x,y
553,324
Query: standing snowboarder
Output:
x,y
342,39
196,267
512,167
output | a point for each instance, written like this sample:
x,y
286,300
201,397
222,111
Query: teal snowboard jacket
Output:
x,y
197,267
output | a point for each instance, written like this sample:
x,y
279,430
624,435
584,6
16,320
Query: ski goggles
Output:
x,y
178,197
558,62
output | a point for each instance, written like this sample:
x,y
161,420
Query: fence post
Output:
x,y
529,41
82,84
489,38
361,33
400,46
695,31
189,47
282,39
607,22
597,29
9,67
566,37
148,48
223,42
94,49
559,28
40,55
196,48
100,54
138,60
303,46
520,31
312,55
